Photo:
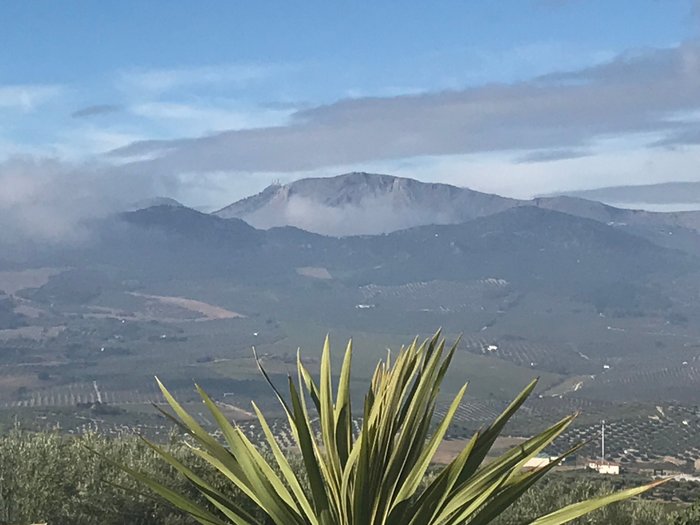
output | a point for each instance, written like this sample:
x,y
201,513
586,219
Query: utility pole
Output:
x,y
602,442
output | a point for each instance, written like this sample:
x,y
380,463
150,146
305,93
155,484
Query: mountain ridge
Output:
x,y
388,203
675,192
360,203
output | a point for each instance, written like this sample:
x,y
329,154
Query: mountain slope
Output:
x,y
191,223
363,203
154,201
533,247
663,193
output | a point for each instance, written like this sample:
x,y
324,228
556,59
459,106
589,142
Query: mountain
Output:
x,y
181,241
526,245
370,204
667,193
188,222
154,201
621,217
363,203
532,247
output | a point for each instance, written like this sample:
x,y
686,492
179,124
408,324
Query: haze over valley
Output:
x,y
599,301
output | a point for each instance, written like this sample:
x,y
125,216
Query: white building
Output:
x,y
539,461
605,467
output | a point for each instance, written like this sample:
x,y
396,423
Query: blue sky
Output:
x,y
208,101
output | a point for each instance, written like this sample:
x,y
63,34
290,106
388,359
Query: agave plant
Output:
x,y
376,476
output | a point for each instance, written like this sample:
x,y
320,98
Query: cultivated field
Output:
x,y
12,282
206,311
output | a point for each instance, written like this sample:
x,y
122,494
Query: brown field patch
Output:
x,y
206,310
27,310
449,449
235,412
9,384
13,282
35,333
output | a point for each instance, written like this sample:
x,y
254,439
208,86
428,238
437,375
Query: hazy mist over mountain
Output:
x,y
363,203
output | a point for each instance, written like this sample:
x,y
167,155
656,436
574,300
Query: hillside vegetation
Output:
x,y
54,478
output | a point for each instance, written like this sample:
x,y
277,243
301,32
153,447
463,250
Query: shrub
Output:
x,y
377,477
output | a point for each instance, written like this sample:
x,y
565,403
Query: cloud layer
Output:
x,y
636,93
97,109
635,118
26,97
49,201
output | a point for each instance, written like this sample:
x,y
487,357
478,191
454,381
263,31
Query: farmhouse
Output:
x,y
605,467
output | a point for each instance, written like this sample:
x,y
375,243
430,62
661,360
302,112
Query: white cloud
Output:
x,y
630,95
200,118
82,142
162,80
47,200
492,173
28,97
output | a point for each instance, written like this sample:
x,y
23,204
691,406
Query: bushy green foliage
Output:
x,y
55,478
559,491
59,479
